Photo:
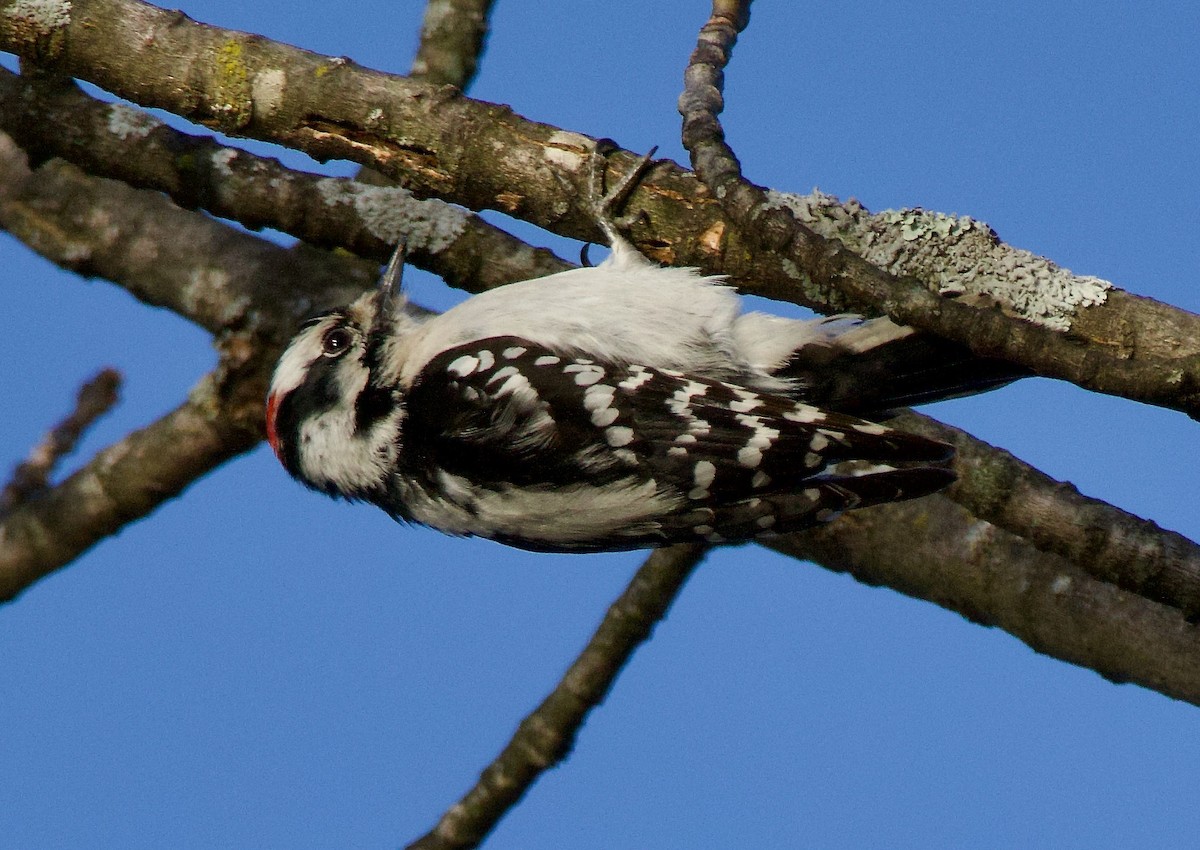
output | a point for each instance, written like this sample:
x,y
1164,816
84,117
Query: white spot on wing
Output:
x,y
586,379
545,360
749,456
463,366
804,414
501,374
704,474
514,352
604,417
598,397
516,384
618,435
638,377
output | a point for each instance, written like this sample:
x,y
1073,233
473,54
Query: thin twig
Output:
x,y
31,478
546,736
221,419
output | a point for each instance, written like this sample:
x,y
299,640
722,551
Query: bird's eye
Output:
x,y
335,342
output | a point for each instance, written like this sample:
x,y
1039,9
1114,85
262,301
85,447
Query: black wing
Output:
x,y
733,463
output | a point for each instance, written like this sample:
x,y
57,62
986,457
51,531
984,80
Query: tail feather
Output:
x,y
877,365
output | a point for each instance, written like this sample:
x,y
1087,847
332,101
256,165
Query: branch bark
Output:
x,y
1105,542
54,118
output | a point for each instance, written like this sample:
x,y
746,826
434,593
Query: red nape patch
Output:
x,y
272,434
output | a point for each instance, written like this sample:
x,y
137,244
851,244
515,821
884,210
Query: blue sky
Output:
x,y
257,666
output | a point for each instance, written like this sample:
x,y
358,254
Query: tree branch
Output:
x,y
54,118
1105,542
546,736
226,281
483,156
220,278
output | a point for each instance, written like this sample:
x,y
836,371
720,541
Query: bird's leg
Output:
x,y
605,204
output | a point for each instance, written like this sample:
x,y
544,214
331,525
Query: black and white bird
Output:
x,y
621,406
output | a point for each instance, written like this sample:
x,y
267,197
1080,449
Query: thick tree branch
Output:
x,y
453,34
54,118
933,549
32,477
483,156
546,736
220,278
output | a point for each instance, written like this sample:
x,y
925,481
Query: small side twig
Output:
x,y
32,476
453,35
221,419
545,737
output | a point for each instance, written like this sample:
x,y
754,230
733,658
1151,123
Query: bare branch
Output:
x,y
218,277
546,736
933,549
51,118
32,477
452,39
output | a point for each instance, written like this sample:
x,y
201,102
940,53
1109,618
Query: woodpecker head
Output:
x,y
334,409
